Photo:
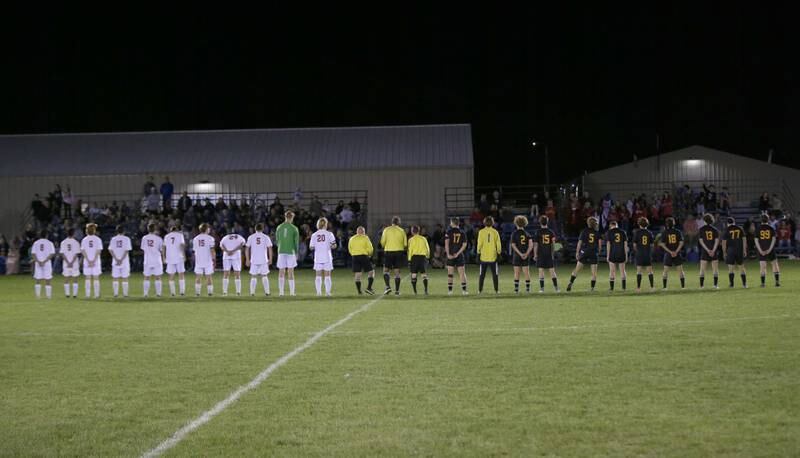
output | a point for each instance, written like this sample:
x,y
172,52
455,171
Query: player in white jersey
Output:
x,y
120,248
322,242
70,250
91,246
203,246
258,256
174,252
231,246
42,253
152,245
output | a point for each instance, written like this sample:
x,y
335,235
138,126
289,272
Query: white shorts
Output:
x,y
326,266
93,271
259,269
73,271
123,271
287,261
235,264
44,272
203,269
178,267
153,269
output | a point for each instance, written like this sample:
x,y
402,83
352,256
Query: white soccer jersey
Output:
x,y
151,245
70,248
202,246
92,246
321,241
119,246
175,243
259,243
41,249
234,243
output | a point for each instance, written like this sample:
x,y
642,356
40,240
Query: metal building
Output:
x,y
403,169
745,178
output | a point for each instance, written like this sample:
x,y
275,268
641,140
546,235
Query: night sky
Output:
x,y
595,85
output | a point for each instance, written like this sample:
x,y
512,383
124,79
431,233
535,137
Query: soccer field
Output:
x,y
676,373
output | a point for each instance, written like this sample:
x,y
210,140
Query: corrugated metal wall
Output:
x,y
416,195
699,165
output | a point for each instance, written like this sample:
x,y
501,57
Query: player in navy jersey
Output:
x,y
672,243
617,254
543,252
734,244
521,249
710,250
587,251
765,244
643,250
455,242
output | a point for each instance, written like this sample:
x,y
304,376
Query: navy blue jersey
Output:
x,y
590,241
456,238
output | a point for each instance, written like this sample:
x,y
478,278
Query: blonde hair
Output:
x,y
322,223
592,222
520,221
91,228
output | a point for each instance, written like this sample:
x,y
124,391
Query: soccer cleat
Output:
x,y
224,294
569,287
464,293
328,294
558,290
450,293
280,295
172,295
397,293
762,286
370,291
541,291
387,291
115,296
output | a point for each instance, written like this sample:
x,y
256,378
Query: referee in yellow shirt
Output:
x,y
360,248
394,243
418,253
488,250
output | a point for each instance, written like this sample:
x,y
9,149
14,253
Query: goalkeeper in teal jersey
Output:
x,y
288,239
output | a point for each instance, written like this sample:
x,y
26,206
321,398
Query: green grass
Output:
x,y
681,373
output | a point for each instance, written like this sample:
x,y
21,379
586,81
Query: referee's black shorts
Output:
x,y
394,259
362,263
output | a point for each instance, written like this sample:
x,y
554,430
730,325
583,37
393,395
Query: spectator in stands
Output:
x,y
710,198
606,205
277,206
690,231
724,201
784,236
69,200
476,216
4,246
315,207
297,196
355,205
167,190
763,202
797,240
152,202
535,207
220,206
484,205
495,200
149,186
184,203
666,209
339,207
345,217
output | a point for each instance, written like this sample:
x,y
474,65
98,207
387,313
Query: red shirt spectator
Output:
x,y
784,232
666,206
476,217
550,210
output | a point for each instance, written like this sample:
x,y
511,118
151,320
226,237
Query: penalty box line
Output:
x,y
208,415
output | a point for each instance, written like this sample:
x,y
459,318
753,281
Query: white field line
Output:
x,y
206,416
576,327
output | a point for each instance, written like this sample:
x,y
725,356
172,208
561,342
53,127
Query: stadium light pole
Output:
x,y
546,164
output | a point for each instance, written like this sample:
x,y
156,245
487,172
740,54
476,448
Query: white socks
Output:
x,y
158,288
265,282
115,287
146,287
172,287
88,289
328,284
75,289
197,288
66,289
48,291
182,284
97,288
281,281
318,285
253,282
224,286
238,283
38,289
210,289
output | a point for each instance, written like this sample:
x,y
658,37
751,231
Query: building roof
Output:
x,y
340,148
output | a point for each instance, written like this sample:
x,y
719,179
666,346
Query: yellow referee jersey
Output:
x,y
488,244
394,239
359,245
418,246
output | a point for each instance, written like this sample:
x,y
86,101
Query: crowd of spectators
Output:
x,y
159,205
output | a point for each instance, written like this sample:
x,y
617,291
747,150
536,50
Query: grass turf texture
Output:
x,y
680,373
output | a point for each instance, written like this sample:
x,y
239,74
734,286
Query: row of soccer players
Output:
x,y
729,247
169,251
